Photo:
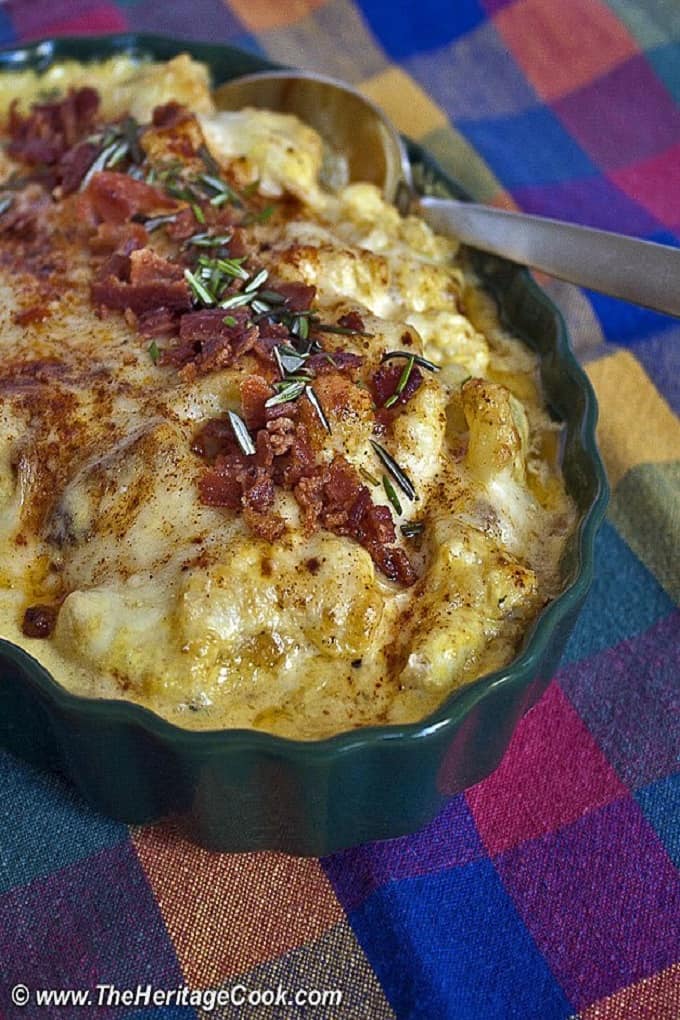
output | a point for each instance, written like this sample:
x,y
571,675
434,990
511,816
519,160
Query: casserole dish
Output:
x,y
245,789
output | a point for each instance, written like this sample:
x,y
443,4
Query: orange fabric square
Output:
x,y
562,46
260,15
226,913
654,998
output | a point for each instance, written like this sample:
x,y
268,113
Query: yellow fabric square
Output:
x,y
260,15
413,112
636,424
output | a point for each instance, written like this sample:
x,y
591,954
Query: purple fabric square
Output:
x,y
601,899
215,21
95,922
629,697
594,201
451,839
475,76
625,116
32,20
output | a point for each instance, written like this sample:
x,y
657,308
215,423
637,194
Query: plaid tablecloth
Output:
x,y
551,890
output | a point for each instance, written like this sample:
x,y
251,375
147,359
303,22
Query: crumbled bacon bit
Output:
x,y
142,281
74,164
119,237
39,621
169,115
299,296
116,197
51,128
386,379
217,487
352,320
255,391
332,361
157,322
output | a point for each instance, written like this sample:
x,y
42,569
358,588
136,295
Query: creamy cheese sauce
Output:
x,y
177,605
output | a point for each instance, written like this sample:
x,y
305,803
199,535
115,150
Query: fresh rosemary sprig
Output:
x,y
316,404
401,385
241,433
399,475
418,359
412,529
391,494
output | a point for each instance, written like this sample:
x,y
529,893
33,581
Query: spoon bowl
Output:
x,y
358,133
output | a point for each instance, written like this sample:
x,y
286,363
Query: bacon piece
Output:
x,y
74,164
169,115
117,197
39,621
52,128
298,462
281,432
158,322
255,391
118,237
183,225
352,320
258,489
148,267
266,525
334,361
393,562
299,296
142,281
386,379
217,487
207,343
309,494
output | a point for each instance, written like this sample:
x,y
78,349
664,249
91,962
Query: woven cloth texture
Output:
x,y
551,890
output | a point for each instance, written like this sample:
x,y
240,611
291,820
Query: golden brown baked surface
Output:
x,y
267,457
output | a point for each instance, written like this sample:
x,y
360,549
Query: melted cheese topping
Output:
x,y
176,605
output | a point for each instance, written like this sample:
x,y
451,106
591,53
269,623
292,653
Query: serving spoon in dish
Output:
x,y
365,141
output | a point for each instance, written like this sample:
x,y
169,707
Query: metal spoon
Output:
x,y
639,271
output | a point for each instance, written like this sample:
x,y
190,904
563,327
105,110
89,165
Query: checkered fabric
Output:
x,y
551,890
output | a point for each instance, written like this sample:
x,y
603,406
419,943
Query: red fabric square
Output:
x,y
655,184
552,773
561,46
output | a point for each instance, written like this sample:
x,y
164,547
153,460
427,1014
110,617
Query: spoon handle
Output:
x,y
625,267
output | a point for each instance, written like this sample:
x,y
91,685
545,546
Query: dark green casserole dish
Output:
x,y
248,790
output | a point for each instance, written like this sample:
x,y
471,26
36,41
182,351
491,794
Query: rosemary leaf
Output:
x,y
401,385
243,437
368,476
256,281
154,353
290,391
391,494
316,404
419,360
412,528
5,203
399,475
198,289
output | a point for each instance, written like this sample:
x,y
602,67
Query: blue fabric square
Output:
x,y
625,324
660,803
666,62
426,25
660,356
7,33
469,954
529,148
639,603
45,825
474,76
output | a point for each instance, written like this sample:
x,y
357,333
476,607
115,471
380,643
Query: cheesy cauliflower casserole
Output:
x,y
267,457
